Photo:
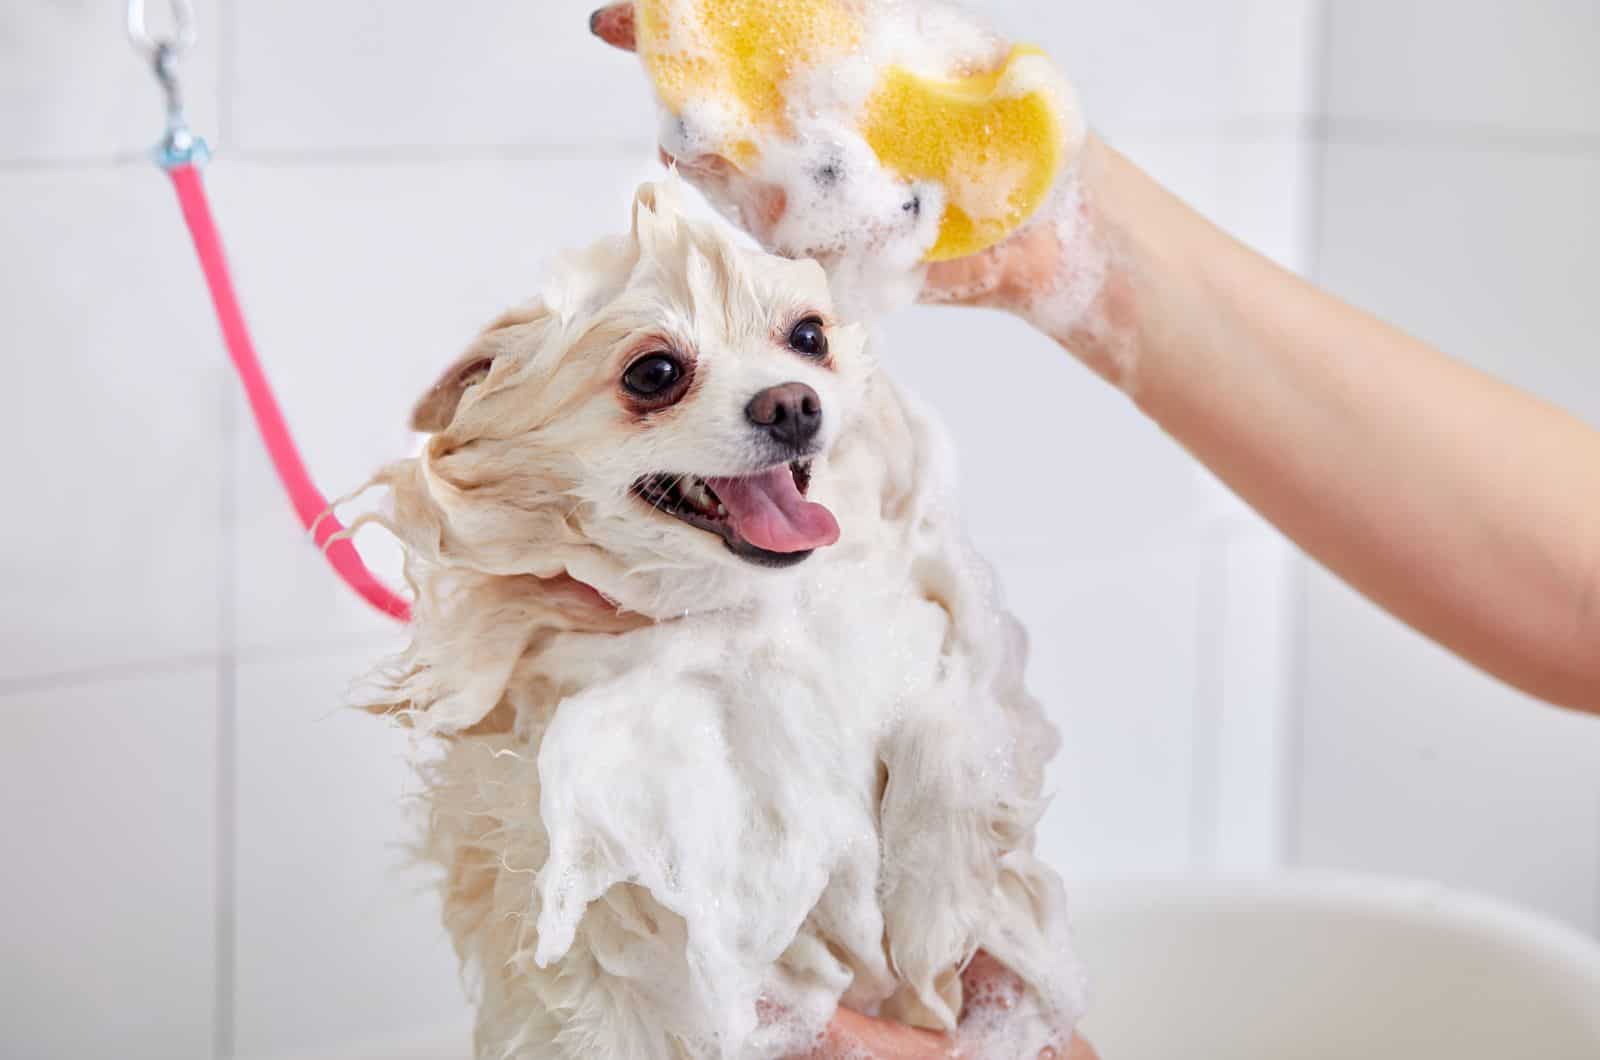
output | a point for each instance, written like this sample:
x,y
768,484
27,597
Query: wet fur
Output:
x,y
687,817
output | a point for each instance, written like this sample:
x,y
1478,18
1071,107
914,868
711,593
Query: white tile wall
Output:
x,y
1458,199
1057,471
109,868
1116,659
1485,250
374,76
1245,726
1524,68
1160,65
1266,193
338,936
384,78
363,282
1086,510
1416,764
75,90
393,174
110,558
1276,65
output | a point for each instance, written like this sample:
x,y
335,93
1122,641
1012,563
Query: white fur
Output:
x,y
691,829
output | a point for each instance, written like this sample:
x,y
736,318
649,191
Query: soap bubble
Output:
x,y
872,135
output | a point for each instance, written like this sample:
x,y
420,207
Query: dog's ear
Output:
x,y
657,211
436,408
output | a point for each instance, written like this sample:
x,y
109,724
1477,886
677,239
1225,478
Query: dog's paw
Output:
x,y
1002,1016
932,931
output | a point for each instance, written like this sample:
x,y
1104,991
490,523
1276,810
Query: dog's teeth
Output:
x,y
699,496
721,510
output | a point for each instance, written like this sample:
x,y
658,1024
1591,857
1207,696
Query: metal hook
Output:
x,y
183,32
179,146
165,62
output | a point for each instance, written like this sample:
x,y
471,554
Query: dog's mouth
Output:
x,y
764,518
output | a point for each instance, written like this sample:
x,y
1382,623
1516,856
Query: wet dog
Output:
x,y
730,723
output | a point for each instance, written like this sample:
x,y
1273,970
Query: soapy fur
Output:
x,y
844,208
691,817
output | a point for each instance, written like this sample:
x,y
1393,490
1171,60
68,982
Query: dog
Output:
x,y
728,722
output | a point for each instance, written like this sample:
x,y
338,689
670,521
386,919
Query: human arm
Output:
x,y
1467,508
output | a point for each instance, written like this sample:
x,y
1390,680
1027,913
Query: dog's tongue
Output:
x,y
768,511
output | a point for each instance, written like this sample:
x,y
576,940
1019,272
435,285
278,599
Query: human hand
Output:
x,y
986,983
1039,269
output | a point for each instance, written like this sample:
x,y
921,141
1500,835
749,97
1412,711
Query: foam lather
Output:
x,y
955,118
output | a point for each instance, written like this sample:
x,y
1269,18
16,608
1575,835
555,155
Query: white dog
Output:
x,y
733,722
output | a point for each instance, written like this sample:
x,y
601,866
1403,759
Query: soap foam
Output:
x,y
697,837
792,120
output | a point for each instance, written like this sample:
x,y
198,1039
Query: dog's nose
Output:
x,y
791,413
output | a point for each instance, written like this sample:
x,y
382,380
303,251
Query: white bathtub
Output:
x,y
1295,969
1330,969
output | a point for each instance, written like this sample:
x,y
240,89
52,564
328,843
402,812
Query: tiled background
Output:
x,y
203,855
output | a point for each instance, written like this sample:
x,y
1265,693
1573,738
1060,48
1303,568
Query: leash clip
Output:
x,y
179,146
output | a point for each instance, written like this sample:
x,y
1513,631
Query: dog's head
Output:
x,y
657,424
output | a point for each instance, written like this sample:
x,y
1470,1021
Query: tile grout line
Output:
x,y
242,654
1296,650
1297,668
225,1000
1288,706
75,163
1211,600
1206,737
226,913
1319,126
318,158
1597,867
225,71
1316,185
1402,132
334,644
433,154
95,675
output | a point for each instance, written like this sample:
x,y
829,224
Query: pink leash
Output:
x,y
309,504
181,153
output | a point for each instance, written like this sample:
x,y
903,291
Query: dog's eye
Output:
x,y
809,338
652,376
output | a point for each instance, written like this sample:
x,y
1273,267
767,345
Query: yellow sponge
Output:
x,y
995,140
739,53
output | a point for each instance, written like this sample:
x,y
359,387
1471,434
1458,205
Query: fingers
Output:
x,y
760,206
988,985
1081,1050
614,24
1001,277
852,1035
964,281
1078,1050
702,167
